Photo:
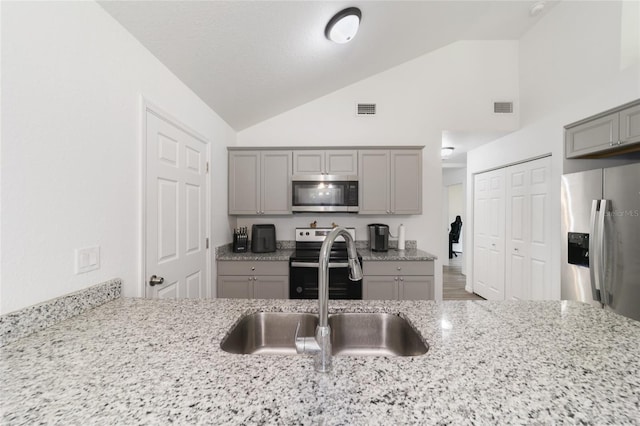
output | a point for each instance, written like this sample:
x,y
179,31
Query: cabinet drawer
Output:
x,y
247,267
405,267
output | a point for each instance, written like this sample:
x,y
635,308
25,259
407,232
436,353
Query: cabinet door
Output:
x,y
341,162
406,182
380,288
244,182
374,181
271,287
235,287
630,125
416,288
308,162
488,235
592,137
275,182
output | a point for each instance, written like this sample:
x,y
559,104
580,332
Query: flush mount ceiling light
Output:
x,y
446,151
344,25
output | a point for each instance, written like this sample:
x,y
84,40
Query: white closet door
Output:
x,y
489,215
528,231
540,229
517,233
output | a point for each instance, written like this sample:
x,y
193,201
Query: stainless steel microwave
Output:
x,y
324,193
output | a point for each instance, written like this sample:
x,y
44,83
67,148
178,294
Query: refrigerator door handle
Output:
x,y
594,256
601,253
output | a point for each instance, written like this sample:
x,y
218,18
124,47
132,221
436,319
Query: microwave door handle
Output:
x,y
602,255
594,257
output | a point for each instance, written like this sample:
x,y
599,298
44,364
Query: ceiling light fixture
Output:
x,y
446,151
344,25
537,7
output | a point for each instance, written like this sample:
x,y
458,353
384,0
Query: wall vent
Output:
x,y
366,109
503,107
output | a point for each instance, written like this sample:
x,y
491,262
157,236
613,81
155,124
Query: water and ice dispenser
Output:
x,y
578,249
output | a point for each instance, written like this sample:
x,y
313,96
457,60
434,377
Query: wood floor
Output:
x,y
453,282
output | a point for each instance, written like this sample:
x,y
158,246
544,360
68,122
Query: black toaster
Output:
x,y
263,238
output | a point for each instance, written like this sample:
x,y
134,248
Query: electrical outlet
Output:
x,y
87,259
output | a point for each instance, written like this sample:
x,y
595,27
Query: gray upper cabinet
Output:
x,y
374,181
323,162
406,182
390,181
244,182
630,125
615,131
259,182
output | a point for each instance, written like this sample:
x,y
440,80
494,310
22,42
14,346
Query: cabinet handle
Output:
x,y
399,268
401,279
395,278
619,142
253,268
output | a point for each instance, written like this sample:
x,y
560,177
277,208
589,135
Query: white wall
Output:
x,y
72,81
580,59
450,89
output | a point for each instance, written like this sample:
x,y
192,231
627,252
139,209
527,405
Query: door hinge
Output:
x,y
207,167
207,242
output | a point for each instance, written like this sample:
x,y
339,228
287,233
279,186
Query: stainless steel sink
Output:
x,y
352,334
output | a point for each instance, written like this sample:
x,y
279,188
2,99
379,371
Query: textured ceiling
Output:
x,y
252,60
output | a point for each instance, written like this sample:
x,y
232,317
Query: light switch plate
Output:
x,y
87,259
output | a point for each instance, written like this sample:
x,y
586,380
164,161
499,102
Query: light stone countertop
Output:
x,y
137,361
285,249
412,254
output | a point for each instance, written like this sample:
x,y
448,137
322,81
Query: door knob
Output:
x,y
155,280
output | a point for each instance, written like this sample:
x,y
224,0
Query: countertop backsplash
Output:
x,y
21,323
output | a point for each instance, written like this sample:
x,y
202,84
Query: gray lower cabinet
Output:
x,y
390,181
253,279
260,182
398,280
605,134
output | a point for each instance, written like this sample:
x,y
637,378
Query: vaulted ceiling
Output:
x,y
252,60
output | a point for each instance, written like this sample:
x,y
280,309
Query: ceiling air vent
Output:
x,y
366,109
503,107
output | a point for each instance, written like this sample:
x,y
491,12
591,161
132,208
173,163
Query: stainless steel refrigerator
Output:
x,y
601,238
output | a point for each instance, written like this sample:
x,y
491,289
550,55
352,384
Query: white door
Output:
x,y
176,206
488,235
528,230
539,228
518,216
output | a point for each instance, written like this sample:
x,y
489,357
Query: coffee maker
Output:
x,y
379,237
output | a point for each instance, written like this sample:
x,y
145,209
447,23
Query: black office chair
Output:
x,y
454,236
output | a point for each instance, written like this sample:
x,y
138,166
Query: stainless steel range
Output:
x,y
303,266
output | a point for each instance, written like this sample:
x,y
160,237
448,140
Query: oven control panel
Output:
x,y
319,234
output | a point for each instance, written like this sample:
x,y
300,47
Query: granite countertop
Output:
x,y
395,254
286,249
137,361
225,253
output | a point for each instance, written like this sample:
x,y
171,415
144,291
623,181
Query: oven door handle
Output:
x,y
316,264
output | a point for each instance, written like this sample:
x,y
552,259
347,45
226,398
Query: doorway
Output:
x,y
176,207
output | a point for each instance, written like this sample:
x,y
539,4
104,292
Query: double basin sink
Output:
x,y
352,334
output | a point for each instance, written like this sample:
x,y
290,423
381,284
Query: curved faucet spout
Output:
x,y
322,345
355,270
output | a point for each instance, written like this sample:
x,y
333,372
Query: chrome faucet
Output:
x,y
320,345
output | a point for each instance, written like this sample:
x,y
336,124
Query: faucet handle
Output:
x,y
305,345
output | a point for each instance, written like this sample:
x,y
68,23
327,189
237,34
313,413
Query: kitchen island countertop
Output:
x,y
136,361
